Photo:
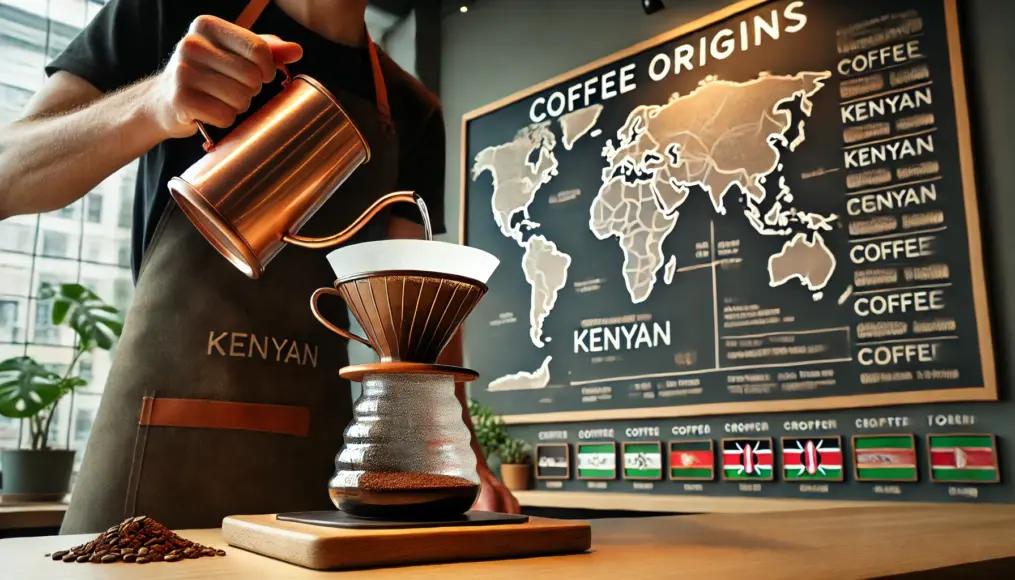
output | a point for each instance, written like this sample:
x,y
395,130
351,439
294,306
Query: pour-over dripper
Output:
x,y
409,296
407,452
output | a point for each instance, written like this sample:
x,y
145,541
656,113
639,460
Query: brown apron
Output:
x,y
224,397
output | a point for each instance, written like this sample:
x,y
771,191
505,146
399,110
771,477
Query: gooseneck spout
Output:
x,y
344,235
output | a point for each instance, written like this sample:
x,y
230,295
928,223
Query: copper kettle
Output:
x,y
253,190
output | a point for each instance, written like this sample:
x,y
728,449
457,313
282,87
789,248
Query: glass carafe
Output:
x,y
407,452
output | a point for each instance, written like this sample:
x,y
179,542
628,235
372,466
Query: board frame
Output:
x,y
616,470
782,459
669,460
981,310
662,460
993,451
567,457
856,462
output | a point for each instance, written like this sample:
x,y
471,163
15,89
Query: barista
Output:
x,y
223,397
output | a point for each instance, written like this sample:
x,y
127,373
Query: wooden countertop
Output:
x,y
959,541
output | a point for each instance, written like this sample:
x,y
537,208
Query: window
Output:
x,y
91,250
32,33
85,369
55,244
16,237
9,331
123,254
94,204
83,423
70,212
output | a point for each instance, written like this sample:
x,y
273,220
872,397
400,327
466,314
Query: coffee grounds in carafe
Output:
x,y
406,496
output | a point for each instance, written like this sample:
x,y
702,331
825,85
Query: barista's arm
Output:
x,y
71,136
494,496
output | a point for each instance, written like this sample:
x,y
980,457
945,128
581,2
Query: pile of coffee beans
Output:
x,y
137,540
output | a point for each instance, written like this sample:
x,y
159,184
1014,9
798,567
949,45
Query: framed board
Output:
x,y
770,209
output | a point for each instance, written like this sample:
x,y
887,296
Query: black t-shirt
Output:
x,y
130,40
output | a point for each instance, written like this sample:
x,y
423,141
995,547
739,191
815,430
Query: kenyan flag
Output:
x,y
643,461
746,459
885,457
597,461
963,458
812,458
692,460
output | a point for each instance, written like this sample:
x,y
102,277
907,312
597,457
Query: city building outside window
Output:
x,y
80,243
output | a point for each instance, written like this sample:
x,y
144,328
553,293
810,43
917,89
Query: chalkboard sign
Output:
x,y
771,209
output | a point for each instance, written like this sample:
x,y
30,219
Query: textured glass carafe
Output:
x,y
407,452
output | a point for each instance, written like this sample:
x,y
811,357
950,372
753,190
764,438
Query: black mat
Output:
x,y
337,519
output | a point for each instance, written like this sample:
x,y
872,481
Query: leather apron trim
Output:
x,y
205,414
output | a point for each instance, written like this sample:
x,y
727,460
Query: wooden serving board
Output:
x,y
323,548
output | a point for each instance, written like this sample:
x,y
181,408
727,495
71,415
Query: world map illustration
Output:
x,y
724,140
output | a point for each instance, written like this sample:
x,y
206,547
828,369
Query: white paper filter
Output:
x,y
419,255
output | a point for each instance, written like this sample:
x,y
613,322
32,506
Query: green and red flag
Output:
x,y
885,457
963,458
643,460
597,461
747,459
692,460
812,458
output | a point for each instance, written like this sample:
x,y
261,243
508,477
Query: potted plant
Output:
x,y
515,468
29,391
490,431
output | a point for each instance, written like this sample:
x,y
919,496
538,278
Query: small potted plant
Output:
x,y
29,391
490,431
515,466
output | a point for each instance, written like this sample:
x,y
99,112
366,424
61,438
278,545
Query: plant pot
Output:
x,y
36,475
515,475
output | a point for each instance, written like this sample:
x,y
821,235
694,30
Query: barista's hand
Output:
x,y
216,70
494,496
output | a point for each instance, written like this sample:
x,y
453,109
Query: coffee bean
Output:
x,y
138,540
220,552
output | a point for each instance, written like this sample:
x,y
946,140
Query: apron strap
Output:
x,y
253,10
249,15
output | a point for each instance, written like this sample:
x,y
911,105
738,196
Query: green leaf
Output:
x,y
26,387
514,451
96,323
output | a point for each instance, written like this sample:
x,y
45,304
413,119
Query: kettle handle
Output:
x,y
327,323
366,216
208,143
